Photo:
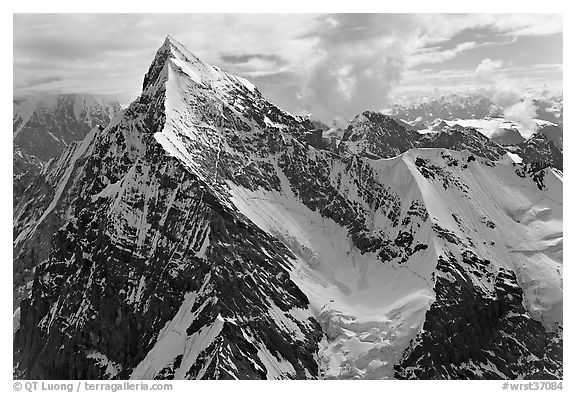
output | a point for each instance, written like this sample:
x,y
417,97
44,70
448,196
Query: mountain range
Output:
x,y
205,233
44,125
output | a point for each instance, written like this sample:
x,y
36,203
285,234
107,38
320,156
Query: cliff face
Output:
x,y
207,234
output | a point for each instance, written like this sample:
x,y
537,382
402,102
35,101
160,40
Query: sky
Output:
x,y
329,66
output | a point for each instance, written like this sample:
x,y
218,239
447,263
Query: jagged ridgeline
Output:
x,y
207,234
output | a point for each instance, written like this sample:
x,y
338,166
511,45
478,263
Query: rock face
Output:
x,y
507,136
207,234
487,337
539,151
44,125
464,138
25,168
375,135
149,272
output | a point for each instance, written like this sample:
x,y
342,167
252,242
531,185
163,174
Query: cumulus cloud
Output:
x,y
508,93
357,62
502,90
346,82
523,112
488,69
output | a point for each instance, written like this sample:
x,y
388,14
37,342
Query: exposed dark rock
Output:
x,y
488,337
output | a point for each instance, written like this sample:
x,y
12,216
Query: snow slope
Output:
x,y
371,310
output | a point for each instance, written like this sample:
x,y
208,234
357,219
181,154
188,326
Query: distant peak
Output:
x,y
374,116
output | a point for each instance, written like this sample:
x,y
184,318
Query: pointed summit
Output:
x,y
186,64
376,135
179,50
169,40
173,51
155,71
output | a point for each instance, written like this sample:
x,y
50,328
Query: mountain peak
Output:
x,y
186,64
376,135
203,235
169,40
179,50
173,52
368,120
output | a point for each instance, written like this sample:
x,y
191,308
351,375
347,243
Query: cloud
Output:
x,y
488,69
431,55
110,53
442,26
255,65
504,91
523,112
345,82
508,93
358,59
246,58
329,65
40,81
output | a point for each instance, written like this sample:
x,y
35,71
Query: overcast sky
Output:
x,y
326,65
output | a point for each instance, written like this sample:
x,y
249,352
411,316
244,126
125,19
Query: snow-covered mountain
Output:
x,y
550,109
438,125
207,234
44,125
477,111
448,107
472,106
375,135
